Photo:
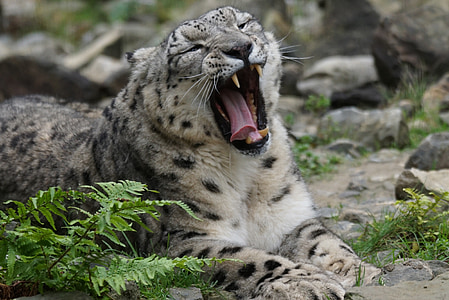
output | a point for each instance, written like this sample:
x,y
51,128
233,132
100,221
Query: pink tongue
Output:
x,y
242,123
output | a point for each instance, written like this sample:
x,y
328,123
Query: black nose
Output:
x,y
240,51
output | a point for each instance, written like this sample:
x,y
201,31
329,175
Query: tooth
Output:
x,y
259,70
264,132
249,140
235,80
251,67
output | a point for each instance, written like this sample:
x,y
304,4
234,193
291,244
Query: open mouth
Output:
x,y
239,110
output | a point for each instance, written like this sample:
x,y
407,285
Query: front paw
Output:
x,y
350,270
301,285
344,263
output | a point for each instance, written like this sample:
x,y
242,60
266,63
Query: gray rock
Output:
x,y
345,27
42,45
445,117
185,294
131,292
367,96
355,216
98,46
374,129
108,72
436,97
346,147
422,181
417,38
436,289
409,270
357,184
337,74
21,75
431,154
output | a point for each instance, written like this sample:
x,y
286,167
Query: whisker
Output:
x,y
193,76
204,91
295,59
200,81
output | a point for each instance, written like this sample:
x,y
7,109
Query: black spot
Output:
x,y
331,295
103,138
219,277
211,186
115,126
312,295
187,252
166,209
192,234
316,233
169,177
185,162
230,250
204,253
301,228
285,191
313,250
286,271
231,287
22,142
271,264
192,206
14,141
344,247
86,177
212,216
186,124
268,162
265,277
107,113
275,278
247,270
171,118
133,105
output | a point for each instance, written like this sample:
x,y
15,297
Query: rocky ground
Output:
x,y
359,189
349,46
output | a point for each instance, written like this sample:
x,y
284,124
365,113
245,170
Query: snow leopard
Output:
x,y
198,123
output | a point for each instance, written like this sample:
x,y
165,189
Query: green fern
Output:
x,y
40,255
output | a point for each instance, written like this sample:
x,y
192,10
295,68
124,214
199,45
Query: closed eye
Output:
x,y
195,48
242,26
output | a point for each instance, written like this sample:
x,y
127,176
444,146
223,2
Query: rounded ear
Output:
x,y
129,57
138,55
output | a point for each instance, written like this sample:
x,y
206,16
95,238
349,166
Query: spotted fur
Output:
x,y
170,128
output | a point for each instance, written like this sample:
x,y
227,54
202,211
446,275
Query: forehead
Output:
x,y
207,24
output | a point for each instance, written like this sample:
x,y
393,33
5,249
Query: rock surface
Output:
x,y
337,74
431,154
374,129
422,181
417,38
22,75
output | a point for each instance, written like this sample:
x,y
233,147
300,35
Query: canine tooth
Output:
x,y
249,140
259,70
251,67
235,80
264,132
